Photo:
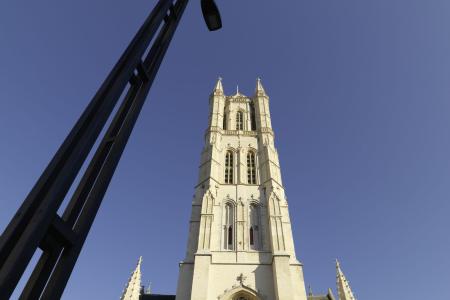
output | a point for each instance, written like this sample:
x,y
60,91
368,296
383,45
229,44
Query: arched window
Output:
x,y
229,167
253,231
228,227
239,120
251,168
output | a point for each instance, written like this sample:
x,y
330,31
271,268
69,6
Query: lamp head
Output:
x,y
211,14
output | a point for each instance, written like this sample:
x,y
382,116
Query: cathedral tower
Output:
x,y
240,243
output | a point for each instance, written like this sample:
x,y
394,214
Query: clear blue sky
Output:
x,y
360,105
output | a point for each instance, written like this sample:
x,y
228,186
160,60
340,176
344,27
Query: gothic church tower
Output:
x,y
240,244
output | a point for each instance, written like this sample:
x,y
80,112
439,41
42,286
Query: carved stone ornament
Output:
x,y
243,291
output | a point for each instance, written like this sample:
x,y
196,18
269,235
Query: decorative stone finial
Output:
x,y
338,265
218,89
259,88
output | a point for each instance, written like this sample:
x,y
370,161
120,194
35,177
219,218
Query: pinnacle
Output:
x,y
343,286
218,89
132,289
259,87
238,93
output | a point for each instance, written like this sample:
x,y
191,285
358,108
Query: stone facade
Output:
x,y
240,240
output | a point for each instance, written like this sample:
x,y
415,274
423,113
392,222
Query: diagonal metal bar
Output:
x,y
31,222
80,140
69,256
36,223
48,259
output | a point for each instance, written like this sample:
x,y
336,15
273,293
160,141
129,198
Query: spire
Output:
x,y
259,88
218,89
133,289
343,286
310,292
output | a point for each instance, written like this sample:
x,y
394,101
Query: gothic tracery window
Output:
x,y
229,167
251,168
228,227
254,227
239,120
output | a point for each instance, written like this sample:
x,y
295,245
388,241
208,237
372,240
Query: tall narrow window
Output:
x,y
251,168
252,116
253,231
228,227
224,121
239,121
229,167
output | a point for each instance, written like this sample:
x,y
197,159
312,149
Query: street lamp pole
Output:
x,y
36,224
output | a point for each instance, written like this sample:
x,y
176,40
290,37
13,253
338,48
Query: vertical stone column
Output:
x,y
240,226
282,277
200,280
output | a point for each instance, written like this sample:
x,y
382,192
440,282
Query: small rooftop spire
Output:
x,y
237,91
259,88
132,290
343,286
310,292
218,89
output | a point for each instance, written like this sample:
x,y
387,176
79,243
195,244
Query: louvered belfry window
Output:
x,y
239,121
229,167
251,168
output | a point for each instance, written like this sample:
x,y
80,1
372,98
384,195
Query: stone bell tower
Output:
x,y
240,242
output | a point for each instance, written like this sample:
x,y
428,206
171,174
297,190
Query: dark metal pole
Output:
x,y
37,224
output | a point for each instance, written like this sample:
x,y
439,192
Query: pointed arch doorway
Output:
x,y
241,293
244,296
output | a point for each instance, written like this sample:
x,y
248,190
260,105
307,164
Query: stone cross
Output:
x,y
241,278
